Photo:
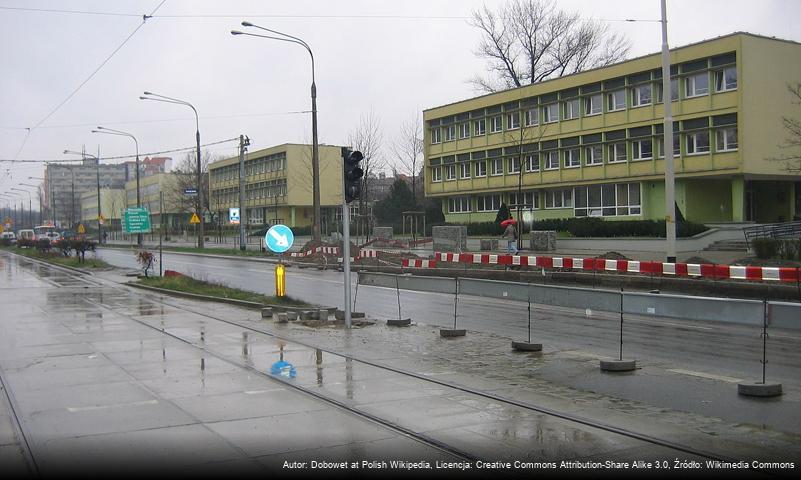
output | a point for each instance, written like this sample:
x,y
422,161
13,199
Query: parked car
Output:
x,y
26,234
10,236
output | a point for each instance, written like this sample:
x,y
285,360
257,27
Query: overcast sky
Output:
x,y
394,58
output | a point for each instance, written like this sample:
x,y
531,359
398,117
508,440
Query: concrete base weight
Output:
x,y
618,365
452,332
758,389
526,347
399,322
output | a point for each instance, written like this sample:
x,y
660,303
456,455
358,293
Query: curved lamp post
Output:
x,y
315,148
111,131
41,206
199,178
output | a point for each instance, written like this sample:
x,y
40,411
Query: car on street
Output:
x,y
10,236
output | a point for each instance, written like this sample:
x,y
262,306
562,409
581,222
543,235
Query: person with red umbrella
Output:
x,y
510,234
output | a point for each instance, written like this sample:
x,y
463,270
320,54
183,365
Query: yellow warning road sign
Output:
x,y
194,219
81,229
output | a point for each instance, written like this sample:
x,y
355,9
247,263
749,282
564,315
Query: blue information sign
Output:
x,y
279,238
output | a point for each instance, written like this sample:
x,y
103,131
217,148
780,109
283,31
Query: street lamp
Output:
x,y
52,200
315,147
11,196
199,179
41,204
30,207
111,131
97,160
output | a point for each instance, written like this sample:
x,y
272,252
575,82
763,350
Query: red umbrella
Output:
x,y
508,222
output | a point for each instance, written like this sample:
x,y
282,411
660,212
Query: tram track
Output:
x,y
393,426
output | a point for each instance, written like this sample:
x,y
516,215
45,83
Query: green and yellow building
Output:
x,y
278,185
590,144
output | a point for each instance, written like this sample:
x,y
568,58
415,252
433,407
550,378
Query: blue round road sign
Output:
x,y
279,238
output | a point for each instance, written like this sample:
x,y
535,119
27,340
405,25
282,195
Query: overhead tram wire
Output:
x,y
91,75
121,157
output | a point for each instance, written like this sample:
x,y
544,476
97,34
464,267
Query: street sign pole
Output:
x,y
346,257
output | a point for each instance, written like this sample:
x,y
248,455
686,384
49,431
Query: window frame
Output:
x,y
563,198
464,130
612,95
694,150
571,109
548,160
514,170
480,127
481,203
464,167
590,159
496,124
532,159
513,120
637,97
436,136
612,157
637,150
532,113
436,174
478,169
724,87
494,171
450,172
720,132
569,153
588,104
546,113
690,81
452,202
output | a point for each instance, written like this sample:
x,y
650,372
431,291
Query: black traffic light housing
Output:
x,y
352,173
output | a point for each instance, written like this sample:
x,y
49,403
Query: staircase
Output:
x,y
728,246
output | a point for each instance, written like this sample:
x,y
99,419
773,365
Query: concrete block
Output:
x,y
543,240
267,312
291,316
527,347
452,332
758,389
382,233
307,315
282,318
340,315
489,244
618,365
450,238
405,322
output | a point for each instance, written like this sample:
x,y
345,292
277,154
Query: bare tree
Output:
x,y
793,128
185,178
408,149
528,41
368,138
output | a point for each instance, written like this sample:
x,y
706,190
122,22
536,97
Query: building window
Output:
x,y
726,139
532,162
676,145
496,124
512,121
642,149
464,130
595,154
488,203
572,158
550,113
450,133
697,142
435,136
458,204
480,127
617,152
726,79
571,109
696,85
464,170
641,95
608,200
514,165
532,117
616,100
496,167
558,198
528,200
674,90
481,169
551,160
450,172
593,105
436,174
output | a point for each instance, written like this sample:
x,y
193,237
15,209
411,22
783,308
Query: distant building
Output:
x,y
278,185
64,185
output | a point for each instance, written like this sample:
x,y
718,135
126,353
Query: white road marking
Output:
x,y
706,375
259,392
102,407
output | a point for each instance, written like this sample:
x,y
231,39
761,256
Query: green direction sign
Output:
x,y
136,220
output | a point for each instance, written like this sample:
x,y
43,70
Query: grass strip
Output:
x,y
59,259
199,287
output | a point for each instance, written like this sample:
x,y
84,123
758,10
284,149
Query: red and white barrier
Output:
x,y
418,263
718,272
324,250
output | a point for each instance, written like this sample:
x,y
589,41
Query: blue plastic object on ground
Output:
x,y
283,369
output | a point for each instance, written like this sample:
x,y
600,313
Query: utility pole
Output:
x,y
670,194
244,142
99,225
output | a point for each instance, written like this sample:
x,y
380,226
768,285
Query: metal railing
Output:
x,y
772,230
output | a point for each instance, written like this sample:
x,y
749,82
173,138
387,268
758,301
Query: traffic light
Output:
x,y
352,173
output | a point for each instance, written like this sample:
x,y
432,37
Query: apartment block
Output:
x,y
278,185
591,144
